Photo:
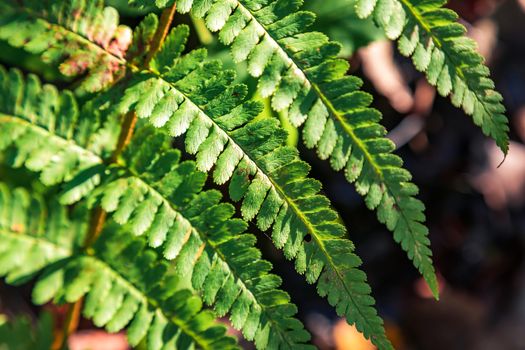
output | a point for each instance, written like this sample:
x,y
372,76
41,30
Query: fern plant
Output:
x,y
137,237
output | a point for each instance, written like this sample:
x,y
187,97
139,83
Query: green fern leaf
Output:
x,y
42,130
162,198
431,35
40,239
138,291
156,195
301,72
82,36
221,130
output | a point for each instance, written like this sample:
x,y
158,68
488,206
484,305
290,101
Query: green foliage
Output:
x,y
123,284
155,195
34,234
163,200
80,36
19,333
171,245
42,130
270,179
431,35
302,74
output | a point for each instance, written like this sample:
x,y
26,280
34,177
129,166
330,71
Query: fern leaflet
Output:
x,y
43,132
431,35
53,237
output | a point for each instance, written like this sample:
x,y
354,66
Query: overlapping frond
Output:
x,y
41,129
186,95
301,72
432,36
82,36
124,284
155,195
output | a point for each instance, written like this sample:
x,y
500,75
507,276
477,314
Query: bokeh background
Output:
x,y
475,209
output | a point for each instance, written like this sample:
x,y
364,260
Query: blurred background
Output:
x,y
475,209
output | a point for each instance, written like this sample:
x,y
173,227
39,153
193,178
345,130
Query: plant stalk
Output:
x,y
162,31
128,126
70,325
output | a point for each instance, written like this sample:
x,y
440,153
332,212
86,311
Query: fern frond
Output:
x,y
155,195
431,35
185,95
250,294
302,73
124,284
42,131
82,36
127,286
160,198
